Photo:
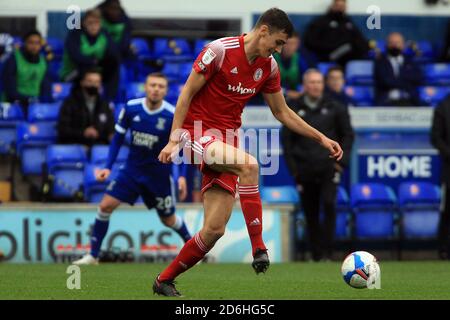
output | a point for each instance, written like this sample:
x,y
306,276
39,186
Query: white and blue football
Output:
x,y
357,268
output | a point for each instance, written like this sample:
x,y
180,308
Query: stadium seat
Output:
x,y
10,116
419,206
99,155
361,95
359,72
171,50
324,66
377,47
433,95
343,213
141,48
174,92
437,74
135,90
60,90
281,194
65,165
44,112
374,206
424,51
32,142
199,45
56,46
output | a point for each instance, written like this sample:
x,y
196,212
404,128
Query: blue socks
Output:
x,y
180,228
99,232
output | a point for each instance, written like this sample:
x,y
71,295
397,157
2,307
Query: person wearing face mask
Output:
x,y
293,61
25,75
334,37
316,174
335,85
116,22
85,117
396,75
88,47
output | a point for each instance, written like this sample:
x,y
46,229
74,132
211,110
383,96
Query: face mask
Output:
x,y
394,52
92,91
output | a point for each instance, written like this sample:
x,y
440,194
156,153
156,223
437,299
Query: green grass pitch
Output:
x,y
400,280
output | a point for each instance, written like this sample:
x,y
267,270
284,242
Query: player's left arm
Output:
x,y
290,119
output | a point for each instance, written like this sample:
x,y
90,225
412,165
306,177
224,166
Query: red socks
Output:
x,y
252,209
192,252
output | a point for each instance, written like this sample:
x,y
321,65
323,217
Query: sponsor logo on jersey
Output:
x,y
144,139
208,57
239,89
258,74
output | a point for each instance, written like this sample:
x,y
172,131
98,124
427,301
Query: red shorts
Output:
x,y
210,177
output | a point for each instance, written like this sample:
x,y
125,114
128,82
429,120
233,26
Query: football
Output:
x,y
360,269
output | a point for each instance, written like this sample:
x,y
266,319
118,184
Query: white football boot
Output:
x,y
86,260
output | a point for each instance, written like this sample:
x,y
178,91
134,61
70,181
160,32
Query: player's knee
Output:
x,y
249,170
106,207
167,221
214,233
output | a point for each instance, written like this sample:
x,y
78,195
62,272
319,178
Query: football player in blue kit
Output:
x,y
149,119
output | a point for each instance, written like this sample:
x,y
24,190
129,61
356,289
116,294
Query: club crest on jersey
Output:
x,y
208,57
258,74
161,124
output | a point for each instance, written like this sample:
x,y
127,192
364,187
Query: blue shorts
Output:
x,y
156,188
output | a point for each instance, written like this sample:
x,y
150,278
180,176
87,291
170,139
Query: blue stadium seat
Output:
x,y
141,48
10,116
361,95
359,72
419,204
433,95
377,47
32,142
174,92
99,155
343,213
374,206
437,74
65,165
135,90
199,45
424,51
177,49
281,194
56,46
44,112
54,67
60,90
324,66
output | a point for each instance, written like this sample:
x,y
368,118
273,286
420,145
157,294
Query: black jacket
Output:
x,y
409,79
306,159
74,118
440,136
329,32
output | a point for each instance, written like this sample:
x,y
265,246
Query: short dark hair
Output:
x,y
89,71
334,68
31,33
157,75
95,13
276,20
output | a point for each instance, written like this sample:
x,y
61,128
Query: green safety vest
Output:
x,y
289,76
114,29
29,75
97,50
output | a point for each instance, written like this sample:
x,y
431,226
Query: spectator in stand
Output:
x,y
86,117
293,61
116,22
335,85
26,76
91,46
396,75
445,57
334,37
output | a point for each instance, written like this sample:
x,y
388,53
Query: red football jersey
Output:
x,y
231,82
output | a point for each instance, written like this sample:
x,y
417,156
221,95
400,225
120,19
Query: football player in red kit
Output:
x,y
226,74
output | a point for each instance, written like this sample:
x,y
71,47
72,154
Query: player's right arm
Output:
x,y
205,66
121,128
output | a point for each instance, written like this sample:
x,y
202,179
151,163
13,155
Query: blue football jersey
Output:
x,y
150,132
